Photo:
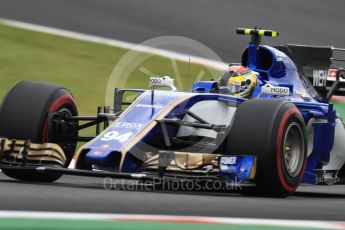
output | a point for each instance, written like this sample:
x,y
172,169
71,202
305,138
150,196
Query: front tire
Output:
x,y
24,115
274,131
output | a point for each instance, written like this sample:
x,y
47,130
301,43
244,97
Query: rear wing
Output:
x,y
321,65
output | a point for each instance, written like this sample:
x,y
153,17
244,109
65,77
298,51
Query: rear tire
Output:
x,y
274,131
341,173
24,115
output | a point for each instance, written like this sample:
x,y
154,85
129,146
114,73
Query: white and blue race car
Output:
x,y
266,125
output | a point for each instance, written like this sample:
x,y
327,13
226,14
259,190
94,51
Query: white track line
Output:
x,y
113,42
177,219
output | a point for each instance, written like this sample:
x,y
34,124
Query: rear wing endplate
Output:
x,y
322,65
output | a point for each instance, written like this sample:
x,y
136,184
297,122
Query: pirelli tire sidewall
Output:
x,y
287,115
24,115
258,129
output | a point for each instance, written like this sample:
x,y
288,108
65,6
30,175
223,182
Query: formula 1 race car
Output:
x,y
265,124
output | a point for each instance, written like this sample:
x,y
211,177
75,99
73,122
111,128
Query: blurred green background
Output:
x,y
82,67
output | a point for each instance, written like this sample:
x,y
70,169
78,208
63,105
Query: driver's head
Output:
x,y
238,80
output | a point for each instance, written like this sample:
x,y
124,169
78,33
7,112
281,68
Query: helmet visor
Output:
x,y
234,88
231,88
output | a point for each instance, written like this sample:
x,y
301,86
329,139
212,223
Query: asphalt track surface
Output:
x,y
313,22
77,194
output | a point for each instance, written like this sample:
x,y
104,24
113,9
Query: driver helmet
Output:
x,y
238,81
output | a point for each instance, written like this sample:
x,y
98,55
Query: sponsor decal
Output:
x,y
228,168
275,90
228,160
156,106
320,78
236,168
165,81
155,81
129,125
279,90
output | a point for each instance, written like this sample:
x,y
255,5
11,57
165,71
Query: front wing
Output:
x,y
49,158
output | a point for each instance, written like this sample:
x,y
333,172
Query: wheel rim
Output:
x,y
67,146
66,113
293,148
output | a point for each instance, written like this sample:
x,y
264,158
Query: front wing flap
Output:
x,y
23,152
